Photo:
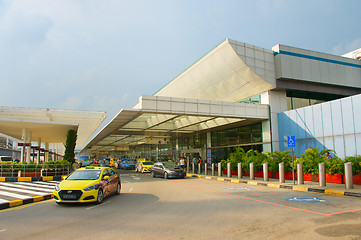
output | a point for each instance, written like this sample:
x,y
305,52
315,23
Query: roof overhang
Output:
x,y
163,118
231,72
49,125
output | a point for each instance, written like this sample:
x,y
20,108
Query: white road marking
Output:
x,y
19,186
130,189
14,195
23,191
35,185
3,230
97,205
135,178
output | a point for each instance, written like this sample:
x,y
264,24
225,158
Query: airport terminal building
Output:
x,y
240,95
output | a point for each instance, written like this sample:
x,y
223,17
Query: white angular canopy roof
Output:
x,y
165,117
50,125
231,72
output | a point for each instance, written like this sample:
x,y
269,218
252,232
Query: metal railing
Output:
x,y
34,170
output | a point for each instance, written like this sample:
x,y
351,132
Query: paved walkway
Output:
x,y
330,188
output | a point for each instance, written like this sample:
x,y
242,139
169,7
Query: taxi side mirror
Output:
x,y
106,177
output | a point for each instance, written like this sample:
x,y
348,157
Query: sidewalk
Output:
x,y
330,188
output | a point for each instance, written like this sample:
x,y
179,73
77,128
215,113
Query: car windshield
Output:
x,y
169,165
147,163
84,175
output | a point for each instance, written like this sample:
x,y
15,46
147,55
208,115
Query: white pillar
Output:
x,y
38,152
46,154
23,139
28,148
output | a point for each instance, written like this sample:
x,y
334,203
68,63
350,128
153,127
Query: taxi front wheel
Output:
x,y
100,196
117,192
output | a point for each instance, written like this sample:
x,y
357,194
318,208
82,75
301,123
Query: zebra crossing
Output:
x,y
12,191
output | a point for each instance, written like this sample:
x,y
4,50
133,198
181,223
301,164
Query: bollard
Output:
x,y
187,164
322,174
300,173
193,167
239,170
229,173
205,169
219,169
251,171
281,172
265,171
212,169
348,175
199,168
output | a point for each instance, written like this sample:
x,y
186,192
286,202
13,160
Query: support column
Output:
x,y
38,151
46,154
23,139
28,148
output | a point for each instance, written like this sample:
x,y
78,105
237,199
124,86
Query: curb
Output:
x,y
276,185
31,179
16,203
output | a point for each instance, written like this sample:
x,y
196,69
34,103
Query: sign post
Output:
x,y
291,142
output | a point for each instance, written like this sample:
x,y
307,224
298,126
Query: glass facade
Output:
x,y
299,99
223,142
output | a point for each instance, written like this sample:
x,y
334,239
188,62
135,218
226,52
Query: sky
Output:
x,y
102,55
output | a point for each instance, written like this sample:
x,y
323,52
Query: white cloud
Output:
x,y
347,47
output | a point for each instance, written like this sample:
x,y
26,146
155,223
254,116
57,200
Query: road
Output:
x,y
193,208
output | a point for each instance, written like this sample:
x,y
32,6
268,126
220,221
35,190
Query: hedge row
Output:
x,y
310,159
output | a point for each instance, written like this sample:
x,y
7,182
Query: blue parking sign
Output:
x,y
291,141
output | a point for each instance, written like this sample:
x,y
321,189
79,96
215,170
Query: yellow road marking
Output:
x,y
302,189
334,192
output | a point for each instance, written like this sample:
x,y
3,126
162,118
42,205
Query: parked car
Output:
x,y
128,165
104,163
167,170
88,184
143,166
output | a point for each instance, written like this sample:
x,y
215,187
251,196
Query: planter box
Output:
x,y
224,171
30,173
9,174
288,176
335,178
356,179
311,177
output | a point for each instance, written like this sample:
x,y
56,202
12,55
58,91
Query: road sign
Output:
x,y
291,141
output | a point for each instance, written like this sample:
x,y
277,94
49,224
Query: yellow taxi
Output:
x,y
88,184
143,166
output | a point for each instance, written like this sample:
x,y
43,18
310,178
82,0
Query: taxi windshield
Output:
x,y
84,175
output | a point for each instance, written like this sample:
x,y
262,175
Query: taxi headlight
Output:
x,y
92,187
57,188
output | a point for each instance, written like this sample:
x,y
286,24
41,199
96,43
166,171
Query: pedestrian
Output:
x,y
181,162
328,156
201,162
195,161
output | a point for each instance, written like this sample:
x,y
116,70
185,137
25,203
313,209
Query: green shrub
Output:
x,y
356,164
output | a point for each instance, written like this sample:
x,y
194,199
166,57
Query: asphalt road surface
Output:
x,y
154,208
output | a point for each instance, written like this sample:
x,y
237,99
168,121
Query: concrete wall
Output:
x,y
332,125
310,66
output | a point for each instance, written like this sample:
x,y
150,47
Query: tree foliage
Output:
x,y
71,138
